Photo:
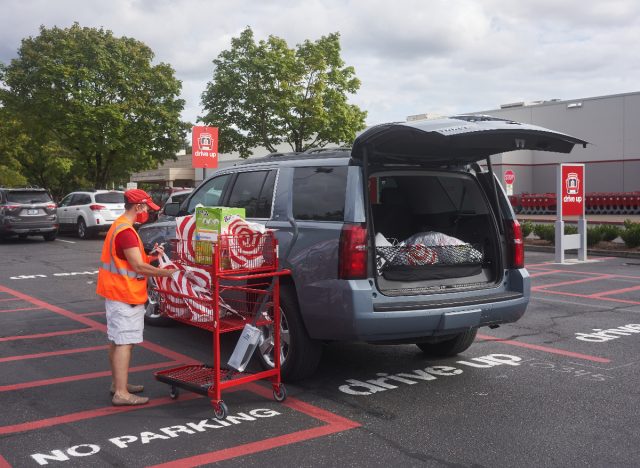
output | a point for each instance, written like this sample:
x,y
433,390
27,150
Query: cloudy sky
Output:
x,y
413,57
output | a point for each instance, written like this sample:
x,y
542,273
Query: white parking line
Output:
x,y
68,242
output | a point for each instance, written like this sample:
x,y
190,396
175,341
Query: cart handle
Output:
x,y
258,275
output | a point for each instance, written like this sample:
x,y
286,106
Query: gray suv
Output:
x,y
27,212
402,239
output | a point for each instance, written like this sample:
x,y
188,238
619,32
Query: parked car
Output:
x,y
358,273
89,212
27,212
176,197
160,196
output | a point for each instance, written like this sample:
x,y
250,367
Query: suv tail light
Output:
x,y
51,206
97,207
353,252
515,244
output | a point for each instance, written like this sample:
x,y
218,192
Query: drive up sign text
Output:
x,y
204,144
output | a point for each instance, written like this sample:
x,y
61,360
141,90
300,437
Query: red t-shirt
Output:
x,y
125,240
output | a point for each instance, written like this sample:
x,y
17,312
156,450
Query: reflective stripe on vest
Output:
x,y
111,267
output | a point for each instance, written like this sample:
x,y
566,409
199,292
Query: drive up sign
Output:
x,y
204,144
570,197
572,177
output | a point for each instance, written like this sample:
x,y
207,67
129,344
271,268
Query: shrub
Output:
x,y
594,235
570,229
631,235
608,232
527,228
545,231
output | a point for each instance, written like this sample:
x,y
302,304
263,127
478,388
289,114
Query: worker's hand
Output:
x,y
158,249
169,272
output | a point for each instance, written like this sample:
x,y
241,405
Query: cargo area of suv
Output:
x,y
434,231
27,212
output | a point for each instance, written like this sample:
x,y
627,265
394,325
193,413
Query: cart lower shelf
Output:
x,y
200,378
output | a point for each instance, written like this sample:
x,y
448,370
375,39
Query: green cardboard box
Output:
x,y
211,221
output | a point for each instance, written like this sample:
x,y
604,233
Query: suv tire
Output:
x,y
451,346
50,236
83,231
300,354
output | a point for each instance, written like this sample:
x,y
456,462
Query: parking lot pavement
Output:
x,y
558,388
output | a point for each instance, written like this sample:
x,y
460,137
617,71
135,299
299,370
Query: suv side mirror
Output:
x,y
172,209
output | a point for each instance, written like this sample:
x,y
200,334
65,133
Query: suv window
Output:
x,y
253,191
65,201
28,196
209,193
319,193
110,197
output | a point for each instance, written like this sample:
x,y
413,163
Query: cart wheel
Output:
x,y
279,393
174,393
220,410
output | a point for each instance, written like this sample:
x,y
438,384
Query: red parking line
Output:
x,y
96,325
10,299
563,283
53,353
615,291
586,296
335,423
20,310
546,272
546,349
89,414
74,378
46,335
4,463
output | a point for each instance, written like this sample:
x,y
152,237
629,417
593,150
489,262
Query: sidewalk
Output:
x,y
591,219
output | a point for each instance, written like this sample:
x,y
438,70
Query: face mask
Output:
x,y
142,217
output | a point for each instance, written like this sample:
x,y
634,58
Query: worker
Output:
x,y
122,281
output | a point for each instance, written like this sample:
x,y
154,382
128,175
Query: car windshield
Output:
x,y
28,196
110,197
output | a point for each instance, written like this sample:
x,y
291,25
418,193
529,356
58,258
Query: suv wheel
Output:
x,y
299,354
451,346
50,236
82,230
152,315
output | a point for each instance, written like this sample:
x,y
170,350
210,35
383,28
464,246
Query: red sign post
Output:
x,y
572,179
204,144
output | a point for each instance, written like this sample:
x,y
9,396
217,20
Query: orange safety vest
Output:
x,y
116,279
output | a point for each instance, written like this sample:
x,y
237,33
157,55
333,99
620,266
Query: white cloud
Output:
x,y
412,56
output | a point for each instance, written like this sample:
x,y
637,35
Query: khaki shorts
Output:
x,y
124,323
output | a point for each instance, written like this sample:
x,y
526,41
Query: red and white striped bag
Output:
x,y
174,305
246,243
185,233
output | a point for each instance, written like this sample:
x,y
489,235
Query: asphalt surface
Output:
x,y
558,388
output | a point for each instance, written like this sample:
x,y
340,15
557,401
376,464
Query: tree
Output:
x,y
92,105
266,94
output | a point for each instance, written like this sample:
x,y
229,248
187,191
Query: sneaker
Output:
x,y
131,388
131,400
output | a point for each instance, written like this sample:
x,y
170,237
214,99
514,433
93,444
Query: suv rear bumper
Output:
x,y
362,317
27,228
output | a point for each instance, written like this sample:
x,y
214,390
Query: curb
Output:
x,y
590,252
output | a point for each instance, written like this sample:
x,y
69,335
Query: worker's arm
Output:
x,y
134,258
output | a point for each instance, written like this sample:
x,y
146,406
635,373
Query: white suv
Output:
x,y
89,212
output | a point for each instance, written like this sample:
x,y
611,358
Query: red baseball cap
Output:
x,y
140,196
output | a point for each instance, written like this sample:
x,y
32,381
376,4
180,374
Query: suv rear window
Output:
x,y
111,197
319,193
28,196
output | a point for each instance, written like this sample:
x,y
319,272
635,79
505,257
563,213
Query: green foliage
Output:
x,y
91,106
570,229
545,232
594,235
631,234
527,228
266,94
609,232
